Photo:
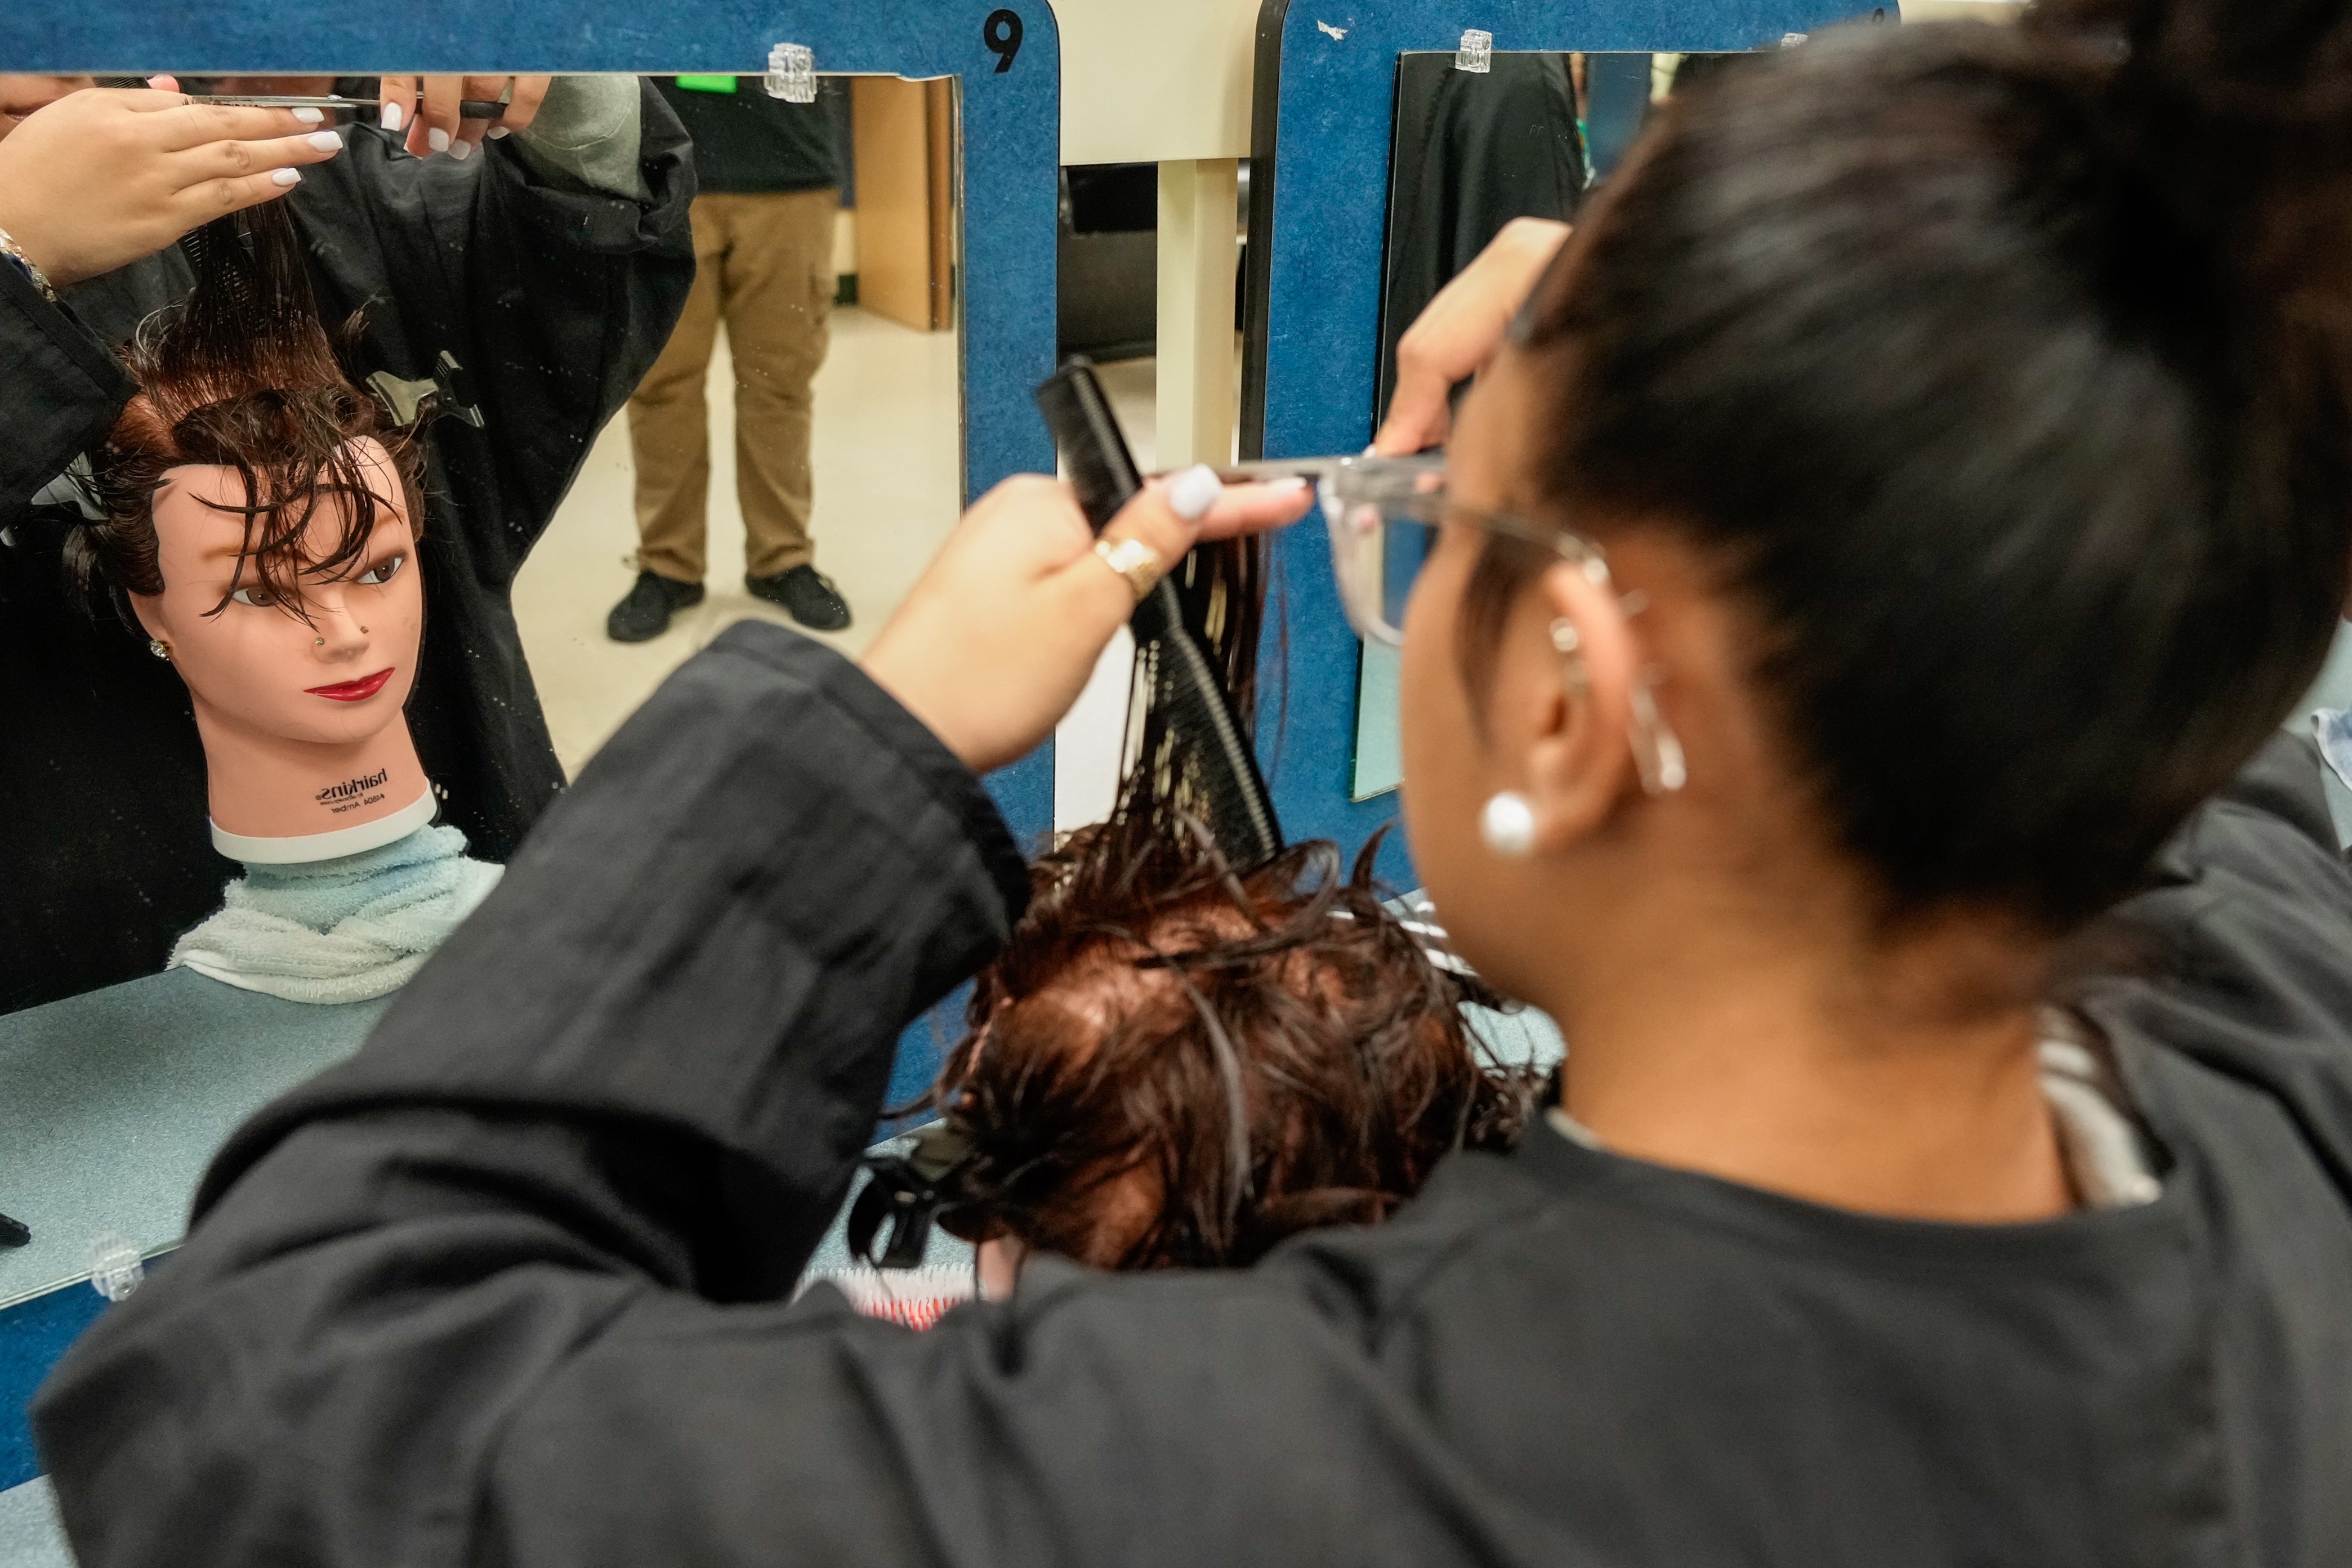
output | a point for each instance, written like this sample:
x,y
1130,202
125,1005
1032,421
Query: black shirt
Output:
x,y
508,1287
746,142
1470,151
555,300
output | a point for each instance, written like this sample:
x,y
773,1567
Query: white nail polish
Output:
x,y
496,133
1290,485
325,140
437,140
392,118
306,116
1192,493
460,151
286,176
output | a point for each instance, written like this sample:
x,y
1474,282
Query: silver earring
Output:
x,y
1567,642
320,642
1508,825
1657,750
157,646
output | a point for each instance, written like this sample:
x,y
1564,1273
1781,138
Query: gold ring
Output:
x,y
1134,561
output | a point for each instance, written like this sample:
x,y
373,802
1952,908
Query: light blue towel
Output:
x,y
341,930
2332,728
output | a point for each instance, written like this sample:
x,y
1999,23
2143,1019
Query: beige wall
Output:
x,y
1152,81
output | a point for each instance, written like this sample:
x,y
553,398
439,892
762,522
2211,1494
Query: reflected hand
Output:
x,y
101,177
1460,329
426,109
997,638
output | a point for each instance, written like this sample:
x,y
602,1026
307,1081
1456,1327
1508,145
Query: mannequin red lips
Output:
x,y
356,691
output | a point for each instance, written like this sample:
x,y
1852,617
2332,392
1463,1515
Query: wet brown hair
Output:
x,y
242,374
1174,1065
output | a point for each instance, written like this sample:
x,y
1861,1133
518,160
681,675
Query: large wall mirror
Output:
x,y
1431,126
864,292
1480,138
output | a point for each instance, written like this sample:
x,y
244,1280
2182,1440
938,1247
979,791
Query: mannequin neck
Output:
x,y
268,787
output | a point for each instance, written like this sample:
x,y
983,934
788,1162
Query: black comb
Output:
x,y
1221,784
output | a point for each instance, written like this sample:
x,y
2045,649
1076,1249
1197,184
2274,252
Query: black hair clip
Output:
x,y
908,1181
449,392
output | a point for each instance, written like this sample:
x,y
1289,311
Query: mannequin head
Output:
x,y
332,667
1174,1066
260,531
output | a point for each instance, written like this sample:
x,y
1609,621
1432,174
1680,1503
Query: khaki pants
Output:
x,y
763,263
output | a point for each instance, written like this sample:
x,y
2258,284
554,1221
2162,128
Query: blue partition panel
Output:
x,y
1318,205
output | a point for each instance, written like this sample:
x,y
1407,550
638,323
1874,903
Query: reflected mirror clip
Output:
x,y
1475,52
791,73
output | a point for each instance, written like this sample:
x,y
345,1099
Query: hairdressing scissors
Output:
x,y
1404,487
468,108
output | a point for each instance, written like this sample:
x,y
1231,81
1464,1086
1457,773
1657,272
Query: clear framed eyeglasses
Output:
x,y
1383,515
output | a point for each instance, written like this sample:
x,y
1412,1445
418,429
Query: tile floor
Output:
x,y
888,425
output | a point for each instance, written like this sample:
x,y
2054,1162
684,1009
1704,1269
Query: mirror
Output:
x,y
1470,149
796,446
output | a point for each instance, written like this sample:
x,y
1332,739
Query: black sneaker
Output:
x,y
807,595
644,614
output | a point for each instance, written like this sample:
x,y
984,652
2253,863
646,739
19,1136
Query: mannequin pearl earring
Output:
x,y
1508,825
160,649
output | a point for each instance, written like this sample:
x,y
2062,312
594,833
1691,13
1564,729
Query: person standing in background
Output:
x,y
764,224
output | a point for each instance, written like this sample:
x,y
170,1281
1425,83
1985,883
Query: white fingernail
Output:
x,y
495,132
1192,493
461,152
437,140
391,119
324,141
286,176
1290,485
309,116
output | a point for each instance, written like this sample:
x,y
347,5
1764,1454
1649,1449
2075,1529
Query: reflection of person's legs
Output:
x,y
669,438
777,296
669,423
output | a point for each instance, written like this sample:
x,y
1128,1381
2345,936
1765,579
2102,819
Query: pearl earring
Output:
x,y
1508,825
157,646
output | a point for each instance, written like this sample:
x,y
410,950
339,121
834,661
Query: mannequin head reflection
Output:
x,y
299,699
259,525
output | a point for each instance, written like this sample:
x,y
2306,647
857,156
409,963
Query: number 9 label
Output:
x,y
1001,34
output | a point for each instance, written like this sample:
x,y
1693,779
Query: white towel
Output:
x,y
341,930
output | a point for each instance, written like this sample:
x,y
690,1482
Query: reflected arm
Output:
x,y
59,394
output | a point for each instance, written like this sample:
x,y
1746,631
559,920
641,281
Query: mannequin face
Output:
x,y
337,679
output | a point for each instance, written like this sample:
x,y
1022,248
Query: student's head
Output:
x,y
260,519
1961,411
1173,1066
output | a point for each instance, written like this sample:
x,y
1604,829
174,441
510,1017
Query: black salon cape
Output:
x,y
1470,151
508,1287
555,300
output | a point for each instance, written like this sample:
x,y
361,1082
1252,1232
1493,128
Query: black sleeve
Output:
x,y
506,1287
61,390
555,300
2241,952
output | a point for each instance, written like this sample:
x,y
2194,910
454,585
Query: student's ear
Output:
x,y
1579,761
